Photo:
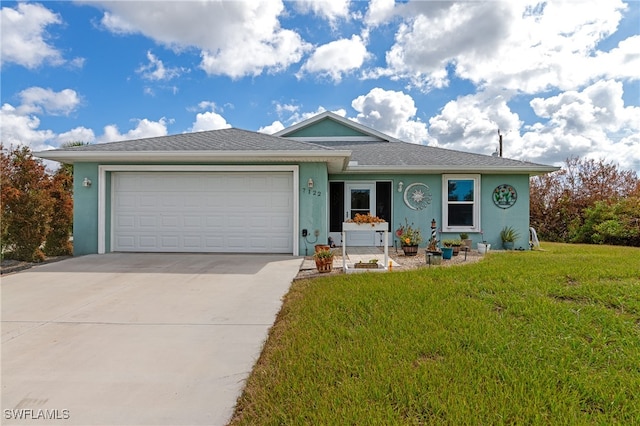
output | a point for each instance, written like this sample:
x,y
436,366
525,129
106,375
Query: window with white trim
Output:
x,y
461,203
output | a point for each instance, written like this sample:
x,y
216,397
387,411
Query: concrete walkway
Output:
x,y
136,338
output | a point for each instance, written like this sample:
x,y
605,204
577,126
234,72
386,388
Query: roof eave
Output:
x,y
525,169
336,160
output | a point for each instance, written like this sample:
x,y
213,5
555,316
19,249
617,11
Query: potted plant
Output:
x,y
324,260
466,241
447,250
409,237
456,244
508,235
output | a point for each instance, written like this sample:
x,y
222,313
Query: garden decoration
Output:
x,y
509,235
324,260
505,196
409,237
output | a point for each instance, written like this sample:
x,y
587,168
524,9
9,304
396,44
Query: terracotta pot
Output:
x,y
324,265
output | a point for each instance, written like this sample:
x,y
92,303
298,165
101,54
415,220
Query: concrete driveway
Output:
x,y
133,339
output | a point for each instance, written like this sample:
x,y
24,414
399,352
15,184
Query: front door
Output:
x,y
360,198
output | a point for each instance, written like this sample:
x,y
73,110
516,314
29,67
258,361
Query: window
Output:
x,y
461,203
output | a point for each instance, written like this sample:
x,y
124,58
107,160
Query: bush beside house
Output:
x,y
36,207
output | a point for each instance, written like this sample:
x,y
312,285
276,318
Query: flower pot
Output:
x,y
508,245
324,265
484,248
447,252
322,247
467,243
456,250
410,250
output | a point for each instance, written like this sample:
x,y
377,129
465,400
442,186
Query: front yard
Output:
x,y
543,337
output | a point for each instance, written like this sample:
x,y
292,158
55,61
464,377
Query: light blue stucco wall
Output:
x,y
312,212
495,218
85,209
313,207
492,218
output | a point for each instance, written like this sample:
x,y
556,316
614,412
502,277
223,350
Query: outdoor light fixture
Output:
x,y
400,185
310,183
86,183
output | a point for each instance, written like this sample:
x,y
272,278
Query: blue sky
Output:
x,y
558,79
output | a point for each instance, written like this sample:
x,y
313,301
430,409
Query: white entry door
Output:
x,y
360,198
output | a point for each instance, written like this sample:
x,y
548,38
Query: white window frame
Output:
x,y
476,203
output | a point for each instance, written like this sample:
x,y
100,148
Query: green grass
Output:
x,y
543,337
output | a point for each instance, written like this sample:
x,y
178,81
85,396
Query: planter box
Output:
x,y
367,265
378,227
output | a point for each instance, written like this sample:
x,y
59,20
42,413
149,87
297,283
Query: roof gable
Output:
x,y
330,126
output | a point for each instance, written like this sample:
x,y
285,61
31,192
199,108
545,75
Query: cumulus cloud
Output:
x,y
38,100
471,123
514,45
209,121
144,128
20,125
274,127
24,36
235,38
392,113
379,11
331,10
18,129
592,123
337,58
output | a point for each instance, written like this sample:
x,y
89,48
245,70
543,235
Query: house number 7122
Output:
x,y
311,192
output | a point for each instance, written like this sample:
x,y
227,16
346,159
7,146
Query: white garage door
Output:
x,y
203,212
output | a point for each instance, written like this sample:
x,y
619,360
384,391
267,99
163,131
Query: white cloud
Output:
x,y
522,46
209,121
79,134
471,123
379,11
24,36
392,113
331,10
18,129
236,38
592,123
156,71
38,100
274,127
145,128
336,58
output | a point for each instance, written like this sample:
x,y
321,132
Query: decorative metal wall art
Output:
x,y
417,196
504,196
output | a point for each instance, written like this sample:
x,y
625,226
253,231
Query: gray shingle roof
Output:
x,y
370,153
212,140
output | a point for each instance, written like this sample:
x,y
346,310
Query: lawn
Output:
x,y
542,337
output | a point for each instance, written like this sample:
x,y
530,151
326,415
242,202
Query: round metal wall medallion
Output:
x,y
504,196
417,196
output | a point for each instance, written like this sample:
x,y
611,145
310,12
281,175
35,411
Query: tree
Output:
x,y
559,200
58,239
26,204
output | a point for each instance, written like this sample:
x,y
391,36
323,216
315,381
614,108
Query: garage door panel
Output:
x,y
203,212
